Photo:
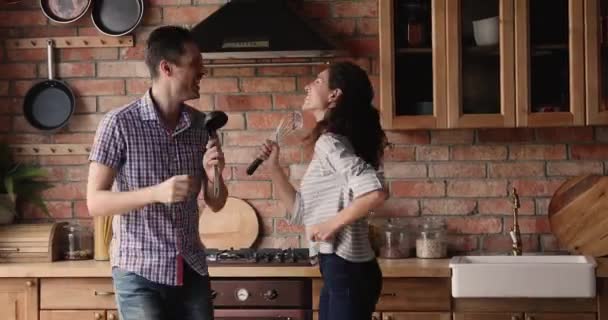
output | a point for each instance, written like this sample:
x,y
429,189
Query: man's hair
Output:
x,y
166,43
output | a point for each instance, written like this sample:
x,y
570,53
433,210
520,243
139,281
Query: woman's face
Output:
x,y
319,97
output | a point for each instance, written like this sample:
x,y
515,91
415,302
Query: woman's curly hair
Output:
x,y
354,116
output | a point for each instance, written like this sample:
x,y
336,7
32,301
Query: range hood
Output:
x,y
259,29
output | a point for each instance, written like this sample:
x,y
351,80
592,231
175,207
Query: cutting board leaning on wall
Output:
x,y
234,226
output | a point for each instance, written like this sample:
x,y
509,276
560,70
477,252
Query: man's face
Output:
x,y
187,74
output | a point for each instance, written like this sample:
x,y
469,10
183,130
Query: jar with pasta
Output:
x,y
432,240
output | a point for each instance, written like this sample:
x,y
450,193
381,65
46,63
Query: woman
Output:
x,y
339,189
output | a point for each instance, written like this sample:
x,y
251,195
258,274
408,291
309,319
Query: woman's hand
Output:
x,y
269,152
322,231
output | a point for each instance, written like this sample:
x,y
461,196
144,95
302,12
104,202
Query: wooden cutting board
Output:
x,y
578,214
235,226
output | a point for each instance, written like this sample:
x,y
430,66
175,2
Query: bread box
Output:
x,y
31,242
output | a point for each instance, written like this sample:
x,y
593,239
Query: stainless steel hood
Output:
x,y
259,29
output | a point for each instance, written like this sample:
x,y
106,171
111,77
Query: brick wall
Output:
x,y
462,175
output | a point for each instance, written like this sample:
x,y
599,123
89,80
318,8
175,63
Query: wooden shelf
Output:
x,y
70,42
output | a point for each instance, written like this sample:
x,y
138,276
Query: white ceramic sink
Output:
x,y
543,276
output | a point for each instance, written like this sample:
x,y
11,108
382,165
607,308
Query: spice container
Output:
x,y
432,240
78,243
391,240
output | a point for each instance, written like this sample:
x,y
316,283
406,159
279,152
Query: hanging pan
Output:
x,y
64,11
117,17
48,105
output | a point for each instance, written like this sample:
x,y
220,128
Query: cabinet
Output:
x,y
523,316
404,316
78,315
493,63
18,299
525,309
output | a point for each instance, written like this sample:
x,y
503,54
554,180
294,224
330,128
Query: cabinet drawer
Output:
x,y
77,293
74,315
406,294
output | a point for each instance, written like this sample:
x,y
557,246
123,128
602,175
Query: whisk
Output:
x,y
288,125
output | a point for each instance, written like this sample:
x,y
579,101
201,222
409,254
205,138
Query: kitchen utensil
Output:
x,y
577,214
78,243
234,226
485,31
48,105
64,11
117,17
288,125
215,120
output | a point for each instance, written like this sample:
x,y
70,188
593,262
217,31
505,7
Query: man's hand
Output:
x,y
213,156
174,189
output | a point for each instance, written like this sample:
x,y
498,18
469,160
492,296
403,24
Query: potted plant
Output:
x,y
19,181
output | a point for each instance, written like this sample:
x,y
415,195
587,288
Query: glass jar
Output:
x,y
391,240
78,243
432,240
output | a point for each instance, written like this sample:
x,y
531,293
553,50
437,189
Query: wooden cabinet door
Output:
x,y
549,50
416,316
560,316
412,64
73,315
18,299
480,63
488,316
596,61
315,316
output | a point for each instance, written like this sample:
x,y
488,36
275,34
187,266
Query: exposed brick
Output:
x,y
30,55
66,191
549,243
243,102
250,189
542,206
282,226
284,71
63,160
88,54
363,47
152,16
81,210
98,87
417,189
506,135
504,206
404,170
530,224
87,122
138,86
471,225
5,123
400,153
562,134
18,71
236,155
395,207
133,53
233,72
71,70
314,9
520,169
432,153
108,103
85,105
264,120
73,138
277,84
187,14
477,188
408,137
47,31
21,18
589,152
367,27
339,27
203,103
28,138
462,243
267,226
537,187
11,105
161,3
262,172
574,168
448,207
219,85
268,208
246,138
236,121
126,69
457,170
20,88
57,210
503,243
288,101
479,153
538,152
356,9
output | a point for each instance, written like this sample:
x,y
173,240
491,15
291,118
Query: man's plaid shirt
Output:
x,y
154,241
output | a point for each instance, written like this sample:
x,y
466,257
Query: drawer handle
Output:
x,y
104,293
514,317
111,316
529,318
388,294
9,249
29,283
97,316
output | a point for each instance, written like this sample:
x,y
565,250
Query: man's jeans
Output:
x,y
140,299
350,290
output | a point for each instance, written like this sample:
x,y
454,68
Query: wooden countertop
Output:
x,y
93,269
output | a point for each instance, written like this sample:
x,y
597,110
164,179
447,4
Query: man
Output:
x,y
159,155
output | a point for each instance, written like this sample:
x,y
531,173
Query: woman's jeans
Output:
x,y
350,289
139,298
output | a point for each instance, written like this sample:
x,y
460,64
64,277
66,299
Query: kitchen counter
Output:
x,y
402,268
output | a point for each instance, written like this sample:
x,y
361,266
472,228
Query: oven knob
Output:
x,y
242,294
271,294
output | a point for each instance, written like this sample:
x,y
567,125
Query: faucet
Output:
x,y
515,234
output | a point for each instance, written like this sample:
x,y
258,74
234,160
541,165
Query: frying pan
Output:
x,y
213,121
117,17
64,11
48,105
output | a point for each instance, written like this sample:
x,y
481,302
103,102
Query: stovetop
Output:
x,y
260,257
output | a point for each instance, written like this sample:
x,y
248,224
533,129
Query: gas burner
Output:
x,y
264,256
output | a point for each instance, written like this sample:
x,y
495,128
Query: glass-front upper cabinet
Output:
x,y
550,73
413,64
480,46
596,41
